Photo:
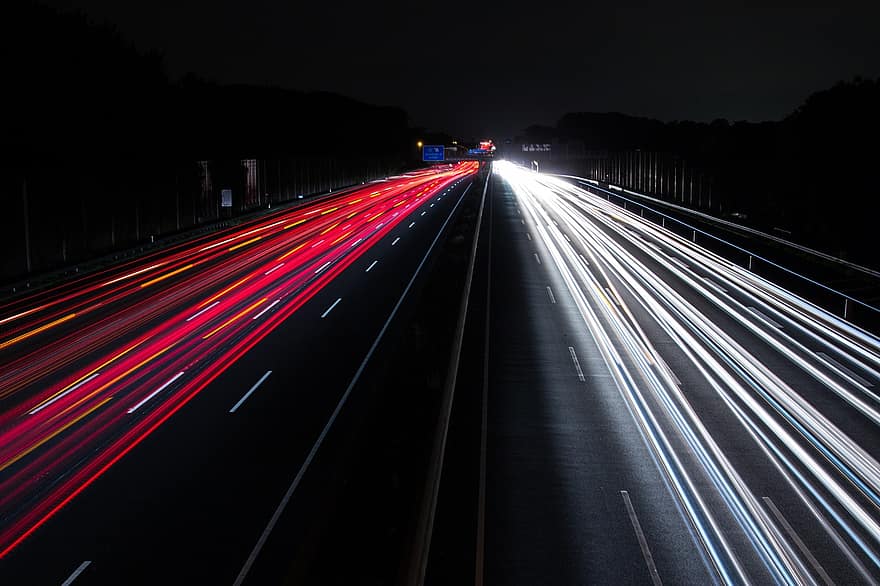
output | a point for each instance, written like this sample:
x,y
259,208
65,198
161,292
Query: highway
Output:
x,y
656,414
158,415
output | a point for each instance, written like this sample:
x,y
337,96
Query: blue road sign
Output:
x,y
432,152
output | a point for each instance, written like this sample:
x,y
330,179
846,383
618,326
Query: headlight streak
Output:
x,y
59,439
773,336
712,352
826,323
778,394
783,394
700,515
868,552
794,358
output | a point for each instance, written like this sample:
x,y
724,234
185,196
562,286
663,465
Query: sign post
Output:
x,y
433,153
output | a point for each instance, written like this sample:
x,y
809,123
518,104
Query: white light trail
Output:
x,y
834,476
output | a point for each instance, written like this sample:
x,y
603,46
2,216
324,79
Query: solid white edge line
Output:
x,y
252,389
480,555
425,523
329,309
320,440
76,573
156,392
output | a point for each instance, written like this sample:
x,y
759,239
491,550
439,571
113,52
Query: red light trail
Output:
x,y
90,368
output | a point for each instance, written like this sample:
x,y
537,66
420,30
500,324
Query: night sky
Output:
x,y
491,68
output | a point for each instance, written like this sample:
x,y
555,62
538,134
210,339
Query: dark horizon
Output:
x,y
86,93
517,66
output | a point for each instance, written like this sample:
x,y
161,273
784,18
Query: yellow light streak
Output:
x,y
166,275
36,331
87,375
341,238
61,429
291,251
221,293
297,223
234,317
251,241
325,230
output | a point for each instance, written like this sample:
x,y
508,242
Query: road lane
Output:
x,y
560,449
201,464
721,369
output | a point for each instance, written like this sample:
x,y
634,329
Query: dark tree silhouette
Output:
x,y
811,174
104,148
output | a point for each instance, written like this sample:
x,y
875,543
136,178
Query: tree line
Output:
x,y
100,149
810,175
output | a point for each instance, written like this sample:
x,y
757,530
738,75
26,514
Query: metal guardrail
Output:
x,y
417,568
29,284
618,192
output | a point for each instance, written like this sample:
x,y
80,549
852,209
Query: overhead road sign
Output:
x,y
433,152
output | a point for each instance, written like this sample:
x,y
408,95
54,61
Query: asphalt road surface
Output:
x,y
656,414
158,416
